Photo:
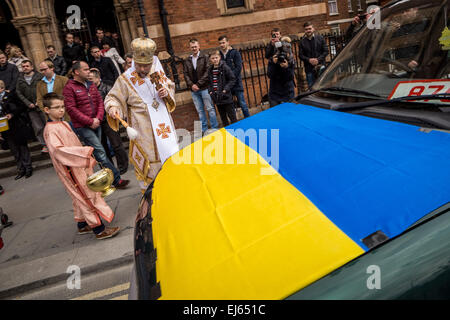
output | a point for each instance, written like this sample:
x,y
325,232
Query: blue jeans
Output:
x,y
310,78
92,137
203,99
241,100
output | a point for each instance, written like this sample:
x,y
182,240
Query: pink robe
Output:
x,y
73,164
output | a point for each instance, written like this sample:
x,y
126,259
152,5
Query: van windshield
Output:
x,y
407,40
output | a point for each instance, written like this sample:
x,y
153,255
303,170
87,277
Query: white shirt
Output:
x,y
194,60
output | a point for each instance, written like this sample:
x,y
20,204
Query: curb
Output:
x,y
105,265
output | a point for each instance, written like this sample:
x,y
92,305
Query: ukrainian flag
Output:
x,y
235,219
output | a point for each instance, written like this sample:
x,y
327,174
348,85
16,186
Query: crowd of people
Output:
x,y
80,88
214,80
24,83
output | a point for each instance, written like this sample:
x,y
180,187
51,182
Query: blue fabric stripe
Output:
x,y
364,174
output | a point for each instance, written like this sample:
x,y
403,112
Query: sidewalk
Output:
x,y
43,241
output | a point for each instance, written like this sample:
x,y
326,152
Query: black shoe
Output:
x,y
19,175
122,184
28,174
123,171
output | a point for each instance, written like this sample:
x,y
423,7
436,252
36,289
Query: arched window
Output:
x,y
230,7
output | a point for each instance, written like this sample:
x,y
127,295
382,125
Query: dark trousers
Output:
x,y
92,137
21,154
38,122
227,110
116,143
97,230
276,100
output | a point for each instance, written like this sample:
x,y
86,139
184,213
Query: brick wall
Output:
x,y
185,11
188,11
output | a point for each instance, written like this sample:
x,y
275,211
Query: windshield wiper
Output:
x,y
373,103
336,89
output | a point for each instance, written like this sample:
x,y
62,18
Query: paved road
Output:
x,y
113,284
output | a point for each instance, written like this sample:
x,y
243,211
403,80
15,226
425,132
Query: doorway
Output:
x,y
94,13
7,28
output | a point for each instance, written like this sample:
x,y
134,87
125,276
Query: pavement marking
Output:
x,y
104,292
124,297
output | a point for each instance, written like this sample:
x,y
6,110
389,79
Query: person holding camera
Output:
x,y
281,73
313,50
357,23
270,49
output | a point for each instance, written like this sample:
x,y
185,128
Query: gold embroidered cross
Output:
x,y
138,157
136,78
163,130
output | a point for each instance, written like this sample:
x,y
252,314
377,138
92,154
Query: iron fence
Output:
x,y
254,68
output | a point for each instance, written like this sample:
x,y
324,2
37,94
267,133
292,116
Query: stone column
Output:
x,y
24,40
124,30
45,31
132,23
33,37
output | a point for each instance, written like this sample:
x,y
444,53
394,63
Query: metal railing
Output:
x,y
254,68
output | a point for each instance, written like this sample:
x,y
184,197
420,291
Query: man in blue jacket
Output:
x,y
233,59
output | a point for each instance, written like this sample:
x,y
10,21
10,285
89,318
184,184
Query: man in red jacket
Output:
x,y
85,107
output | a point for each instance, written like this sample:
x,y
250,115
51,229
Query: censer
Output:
x,y
101,181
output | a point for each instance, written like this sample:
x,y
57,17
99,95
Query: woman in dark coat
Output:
x,y
16,136
221,81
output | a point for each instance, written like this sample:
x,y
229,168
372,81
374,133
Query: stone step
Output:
x,y
36,155
12,170
33,146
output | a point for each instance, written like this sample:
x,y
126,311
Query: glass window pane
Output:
x,y
235,3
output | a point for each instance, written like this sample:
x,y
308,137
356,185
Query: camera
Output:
x,y
282,51
362,17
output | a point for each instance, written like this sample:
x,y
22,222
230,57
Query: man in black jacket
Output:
x,y
72,52
26,92
8,73
100,38
108,133
17,134
233,59
58,61
108,70
313,50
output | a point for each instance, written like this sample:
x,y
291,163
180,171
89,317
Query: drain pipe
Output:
x,y
142,14
165,24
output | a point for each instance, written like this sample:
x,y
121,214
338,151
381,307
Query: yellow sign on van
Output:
x,y
444,40
4,124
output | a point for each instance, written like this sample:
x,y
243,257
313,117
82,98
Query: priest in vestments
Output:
x,y
145,97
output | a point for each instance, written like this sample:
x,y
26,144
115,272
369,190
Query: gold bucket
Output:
x,y
101,181
4,124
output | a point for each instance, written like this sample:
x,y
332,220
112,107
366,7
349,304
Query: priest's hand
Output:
x,y
112,112
162,93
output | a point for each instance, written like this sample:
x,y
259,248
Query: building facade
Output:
x,y
35,24
39,23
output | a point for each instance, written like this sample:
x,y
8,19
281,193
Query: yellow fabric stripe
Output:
x,y
225,231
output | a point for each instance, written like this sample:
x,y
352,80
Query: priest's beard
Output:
x,y
143,74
